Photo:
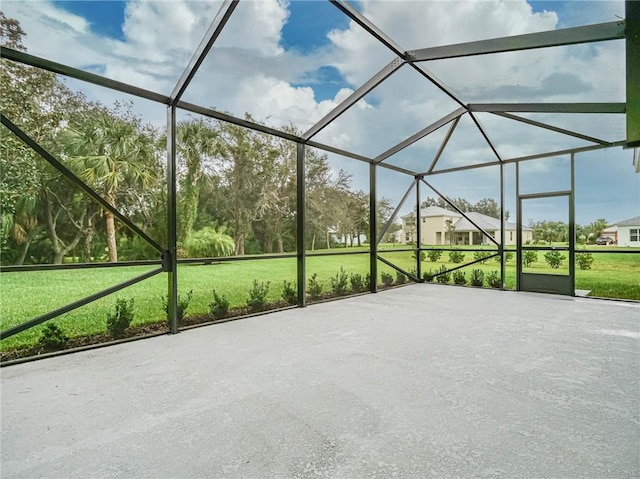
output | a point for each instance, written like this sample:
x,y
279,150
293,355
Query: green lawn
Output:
x,y
26,295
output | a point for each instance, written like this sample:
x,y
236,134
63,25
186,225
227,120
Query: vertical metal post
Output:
x,y
418,232
373,230
503,236
169,256
518,229
572,230
301,224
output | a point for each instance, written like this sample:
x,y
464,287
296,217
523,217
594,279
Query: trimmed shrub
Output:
x,y
120,319
584,260
423,256
477,277
314,288
459,277
289,293
554,259
400,278
443,275
508,256
456,257
182,306
428,276
481,255
529,257
257,300
434,255
340,282
367,281
52,338
386,278
220,306
493,280
357,282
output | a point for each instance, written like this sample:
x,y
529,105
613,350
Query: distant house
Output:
x,y
439,226
625,232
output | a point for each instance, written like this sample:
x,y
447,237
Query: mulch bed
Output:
x,y
137,331
157,328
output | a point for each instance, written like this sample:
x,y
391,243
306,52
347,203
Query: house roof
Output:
x,y
635,221
487,223
438,211
463,224
435,211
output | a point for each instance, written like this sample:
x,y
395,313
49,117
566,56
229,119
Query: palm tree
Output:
x,y
196,139
110,152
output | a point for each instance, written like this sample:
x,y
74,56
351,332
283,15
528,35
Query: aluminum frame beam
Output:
x,y
393,216
553,38
552,128
301,250
212,34
369,85
369,27
419,135
548,107
486,137
395,266
76,304
444,143
31,143
632,13
450,203
438,83
526,158
170,256
71,72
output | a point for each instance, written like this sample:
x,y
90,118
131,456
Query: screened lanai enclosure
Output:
x,y
208,161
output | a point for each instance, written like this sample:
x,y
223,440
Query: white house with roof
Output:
x,y
625,232
439,226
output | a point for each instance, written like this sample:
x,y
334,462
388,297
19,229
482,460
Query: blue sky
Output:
x,y
293,62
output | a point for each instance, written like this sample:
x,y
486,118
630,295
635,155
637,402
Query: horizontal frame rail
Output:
x,y
311,254
595,251
56,267
613,108
77,304
227,259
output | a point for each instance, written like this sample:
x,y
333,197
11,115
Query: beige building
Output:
x,y
439,226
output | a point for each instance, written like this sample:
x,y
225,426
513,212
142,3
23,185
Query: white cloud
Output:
x,y
249,70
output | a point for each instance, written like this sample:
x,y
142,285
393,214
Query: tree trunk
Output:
x,y
328,240
359,240
23,253
313,242
88,240
112,247
280,244
240,244
190,208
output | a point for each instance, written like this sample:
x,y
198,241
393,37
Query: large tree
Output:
x,y
40,104
112,152
197,140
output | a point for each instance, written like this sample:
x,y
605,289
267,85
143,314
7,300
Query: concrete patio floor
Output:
x,y
420,381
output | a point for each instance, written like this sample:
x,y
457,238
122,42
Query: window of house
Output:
x,y
510,235
634,234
